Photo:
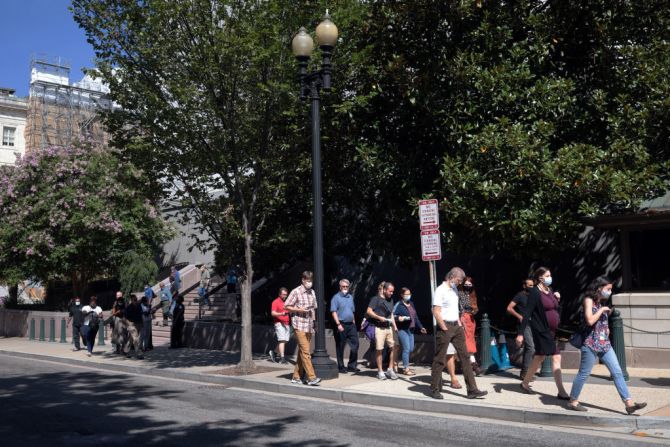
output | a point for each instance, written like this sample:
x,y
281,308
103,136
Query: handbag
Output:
x,y
577,339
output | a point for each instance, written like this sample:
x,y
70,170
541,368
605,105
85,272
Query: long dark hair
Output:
x,y
593,290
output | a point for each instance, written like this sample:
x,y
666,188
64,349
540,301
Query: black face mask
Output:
x,y
468,288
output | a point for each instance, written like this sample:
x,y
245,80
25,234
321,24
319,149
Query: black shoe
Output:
x,y
476,393
353,370
342,370
558,396
283,361
633,408
476,369
436,395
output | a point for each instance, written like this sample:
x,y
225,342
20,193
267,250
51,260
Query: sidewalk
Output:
x,y
504,401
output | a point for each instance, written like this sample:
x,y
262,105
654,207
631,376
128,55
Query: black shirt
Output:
x,y
134,313
383,308
119,305
75,313
178,314
521,300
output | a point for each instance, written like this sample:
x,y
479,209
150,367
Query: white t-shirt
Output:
x,y
87,310
447,298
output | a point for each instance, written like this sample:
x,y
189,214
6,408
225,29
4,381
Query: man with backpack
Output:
x,y
92,317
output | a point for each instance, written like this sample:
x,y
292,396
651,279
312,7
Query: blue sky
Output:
x,y
41,27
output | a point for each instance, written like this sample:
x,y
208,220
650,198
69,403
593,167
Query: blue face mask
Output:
x,y
547,281
606,293
406,298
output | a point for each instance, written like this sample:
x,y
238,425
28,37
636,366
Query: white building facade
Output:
x,y
13,115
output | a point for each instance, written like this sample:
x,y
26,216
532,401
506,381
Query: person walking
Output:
x,y
380,314
450,330
231,280
516,308
407,322
541,314
77,318
594,316
134,327
301,302
92,317
177,329
203,290
175,279
342,309
467,308
282,326
166,300
118,323
147,331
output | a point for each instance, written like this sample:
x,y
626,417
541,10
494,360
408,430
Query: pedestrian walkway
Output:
x,y
599,396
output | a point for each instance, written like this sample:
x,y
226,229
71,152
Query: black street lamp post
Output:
x,y
310,86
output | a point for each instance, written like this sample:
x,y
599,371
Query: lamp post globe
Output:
x,y
326,33
302,44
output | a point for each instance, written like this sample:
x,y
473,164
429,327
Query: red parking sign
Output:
x,y
431,249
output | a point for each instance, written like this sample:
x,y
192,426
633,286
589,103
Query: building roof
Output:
x,y
653,213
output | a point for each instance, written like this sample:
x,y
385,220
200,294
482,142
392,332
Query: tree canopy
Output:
x,y
70,213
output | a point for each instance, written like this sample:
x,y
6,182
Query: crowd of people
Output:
x,y
390,327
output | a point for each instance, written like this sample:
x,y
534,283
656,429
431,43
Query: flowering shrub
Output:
x,y
72,212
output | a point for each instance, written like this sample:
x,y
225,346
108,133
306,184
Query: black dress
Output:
x,y
535,316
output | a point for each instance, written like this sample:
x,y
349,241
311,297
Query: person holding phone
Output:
x,y
594,316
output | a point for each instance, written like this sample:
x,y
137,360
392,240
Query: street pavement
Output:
x,y
44,403
504,402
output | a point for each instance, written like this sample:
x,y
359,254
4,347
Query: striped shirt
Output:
x,y
300,297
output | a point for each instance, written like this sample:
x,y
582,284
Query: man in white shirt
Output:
x,y
449,330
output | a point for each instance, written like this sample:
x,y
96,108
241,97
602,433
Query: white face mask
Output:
x,y
308,284
77,303
547,281
406,298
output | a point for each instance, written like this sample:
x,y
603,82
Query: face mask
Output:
x,y
606,293
547,281
308,285
406,298
467,288
77,303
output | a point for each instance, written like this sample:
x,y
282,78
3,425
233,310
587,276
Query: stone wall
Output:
x,y
645,317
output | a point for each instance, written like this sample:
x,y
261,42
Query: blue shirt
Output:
x,y
344,306
166,295
148,292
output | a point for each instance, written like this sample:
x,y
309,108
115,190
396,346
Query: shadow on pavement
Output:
x,y
84,407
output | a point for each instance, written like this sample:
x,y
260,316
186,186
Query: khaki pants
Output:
x,y
134,331
304,362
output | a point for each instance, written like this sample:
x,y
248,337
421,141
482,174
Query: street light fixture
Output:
x,y
310,86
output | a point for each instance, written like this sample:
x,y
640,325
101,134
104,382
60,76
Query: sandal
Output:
x,y
576,407
409,372
456,385
525,390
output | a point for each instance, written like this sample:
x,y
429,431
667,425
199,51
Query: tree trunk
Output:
x,y
246,355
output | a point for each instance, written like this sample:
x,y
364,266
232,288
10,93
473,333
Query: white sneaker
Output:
x,y
381,376
391,374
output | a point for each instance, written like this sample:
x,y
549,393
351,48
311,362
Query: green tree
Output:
x,y
208,98
522,117
137,270
71,213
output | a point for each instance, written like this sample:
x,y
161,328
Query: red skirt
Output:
x,y
469,326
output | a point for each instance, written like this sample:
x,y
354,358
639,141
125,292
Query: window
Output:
x,y
8,134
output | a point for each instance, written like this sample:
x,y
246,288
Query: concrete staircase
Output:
x,y
223,306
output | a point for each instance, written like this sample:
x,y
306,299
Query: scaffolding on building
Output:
x,y
59,112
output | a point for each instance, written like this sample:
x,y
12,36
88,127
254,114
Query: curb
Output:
x,y
421,404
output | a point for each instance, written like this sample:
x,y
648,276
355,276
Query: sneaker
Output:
x,y
476,393
353,370
283,361
342,370
314,381
381,376
88,354
272,355
296,381
576,407
391,374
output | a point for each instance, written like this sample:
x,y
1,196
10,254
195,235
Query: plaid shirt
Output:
x,y
300,297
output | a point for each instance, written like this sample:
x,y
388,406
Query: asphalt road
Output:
x,y
48,404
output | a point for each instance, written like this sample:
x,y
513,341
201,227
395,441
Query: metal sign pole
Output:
x,y
433,282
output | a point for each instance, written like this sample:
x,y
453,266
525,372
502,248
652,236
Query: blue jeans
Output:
x,y
406,337
586,365
89,334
